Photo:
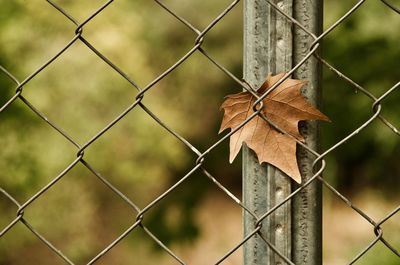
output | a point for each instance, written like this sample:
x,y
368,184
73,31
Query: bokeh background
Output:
x,y
81,94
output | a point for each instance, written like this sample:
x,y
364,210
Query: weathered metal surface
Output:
x,y
267,48
307,205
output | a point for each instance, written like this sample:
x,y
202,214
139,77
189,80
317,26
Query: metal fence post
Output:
x,y
272,44
307,205
267,48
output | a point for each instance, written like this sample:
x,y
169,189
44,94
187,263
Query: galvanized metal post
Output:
x,y
271,44
307,205
267,48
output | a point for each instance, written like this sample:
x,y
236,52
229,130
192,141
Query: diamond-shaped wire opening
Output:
x,y
60,96
94,225
185,210
136,158
172,219
175,98
129,22
154,221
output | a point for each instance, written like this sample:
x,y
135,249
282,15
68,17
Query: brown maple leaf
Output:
x,y
284,107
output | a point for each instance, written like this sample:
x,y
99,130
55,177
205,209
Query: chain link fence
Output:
x,y
198,166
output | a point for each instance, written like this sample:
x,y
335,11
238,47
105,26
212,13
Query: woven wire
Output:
x,y
319,162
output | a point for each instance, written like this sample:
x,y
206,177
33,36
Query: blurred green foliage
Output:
x,y
82,94
367,52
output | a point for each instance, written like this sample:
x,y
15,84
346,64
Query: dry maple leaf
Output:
x,y
284,107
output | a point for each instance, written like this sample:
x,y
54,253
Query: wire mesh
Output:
x,y
319,162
